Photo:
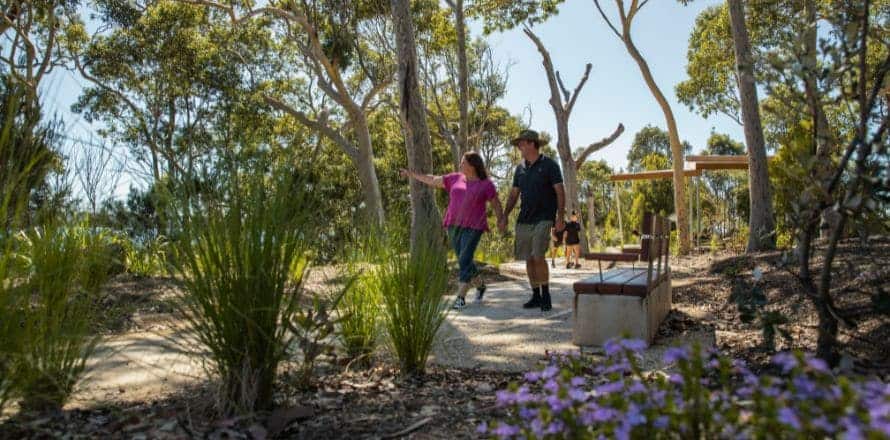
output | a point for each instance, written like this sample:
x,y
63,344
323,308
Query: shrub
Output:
x,y
359,313
494,249
709,396
54,297
411,286
242,261
146,259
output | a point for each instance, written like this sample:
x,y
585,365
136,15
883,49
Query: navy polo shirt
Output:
x,y
535,182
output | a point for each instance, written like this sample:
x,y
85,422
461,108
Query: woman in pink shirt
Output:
x,y
468,192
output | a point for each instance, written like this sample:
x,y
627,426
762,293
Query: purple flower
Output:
x,y
817,364
532,376
612,347
578,394
661,422
745,392
555,427
505,398
785,360
788,417
524,395
551,386
556,404
674,354
634,416
823,424
882,426
676,379
578,381
656,397
851,429
634,345
622,432
549,372
879,410
619,367
636,388
537,427
609,388
600,414
805,387
504,430
482,428
527,413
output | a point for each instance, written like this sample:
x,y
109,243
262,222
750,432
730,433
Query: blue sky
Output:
x,y
615,91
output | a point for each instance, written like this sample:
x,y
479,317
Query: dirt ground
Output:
x,y
447,402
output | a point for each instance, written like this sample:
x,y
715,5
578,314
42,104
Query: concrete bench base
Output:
x,y
600,317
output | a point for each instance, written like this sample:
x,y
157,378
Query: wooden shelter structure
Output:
x,y
693,166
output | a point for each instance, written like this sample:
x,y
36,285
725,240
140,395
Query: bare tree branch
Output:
x,y
321,127
596,146
577,91
606,19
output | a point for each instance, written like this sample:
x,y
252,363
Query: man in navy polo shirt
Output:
x,y
537,182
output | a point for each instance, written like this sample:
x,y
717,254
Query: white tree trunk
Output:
x,y
677,157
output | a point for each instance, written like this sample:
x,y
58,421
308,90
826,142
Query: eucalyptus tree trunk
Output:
x,y
591,218
367,174
463,75
677,158
562,101
425,218
761,221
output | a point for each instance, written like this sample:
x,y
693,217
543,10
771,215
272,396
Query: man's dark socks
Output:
x,y
535,301
546,306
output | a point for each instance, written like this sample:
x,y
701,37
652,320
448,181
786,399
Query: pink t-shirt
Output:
x,y
466,201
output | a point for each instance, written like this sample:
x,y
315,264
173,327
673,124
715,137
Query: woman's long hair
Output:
x,y
475,160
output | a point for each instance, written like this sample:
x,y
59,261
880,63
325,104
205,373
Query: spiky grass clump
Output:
x,y
242,260
411,286
64,268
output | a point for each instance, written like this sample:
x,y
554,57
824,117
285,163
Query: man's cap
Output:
x,y
529,135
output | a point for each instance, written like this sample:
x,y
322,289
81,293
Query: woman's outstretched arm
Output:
x,y
429,179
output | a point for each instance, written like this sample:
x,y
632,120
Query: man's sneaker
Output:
x,y
577,265
534,303
459,303
568,265
480,291
553,264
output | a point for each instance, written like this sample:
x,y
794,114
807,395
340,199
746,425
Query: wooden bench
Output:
x,y
627,254
626,301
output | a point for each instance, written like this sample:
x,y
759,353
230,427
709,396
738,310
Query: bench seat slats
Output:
x,y
612,281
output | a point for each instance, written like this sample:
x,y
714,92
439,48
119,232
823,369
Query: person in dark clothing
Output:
x,y
572,239
537,183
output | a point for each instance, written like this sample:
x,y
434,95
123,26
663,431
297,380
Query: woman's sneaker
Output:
x,y
459,303
480,291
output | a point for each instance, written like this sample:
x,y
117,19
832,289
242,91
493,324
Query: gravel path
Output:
x,y
500,335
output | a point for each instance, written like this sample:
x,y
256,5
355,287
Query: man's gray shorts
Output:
x,y
532,240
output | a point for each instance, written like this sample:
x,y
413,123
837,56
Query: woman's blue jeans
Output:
x,y
464,241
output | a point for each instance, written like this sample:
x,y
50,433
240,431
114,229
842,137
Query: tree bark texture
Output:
x,y
367,174
761,235
562,101
677,158
425,217
463,75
